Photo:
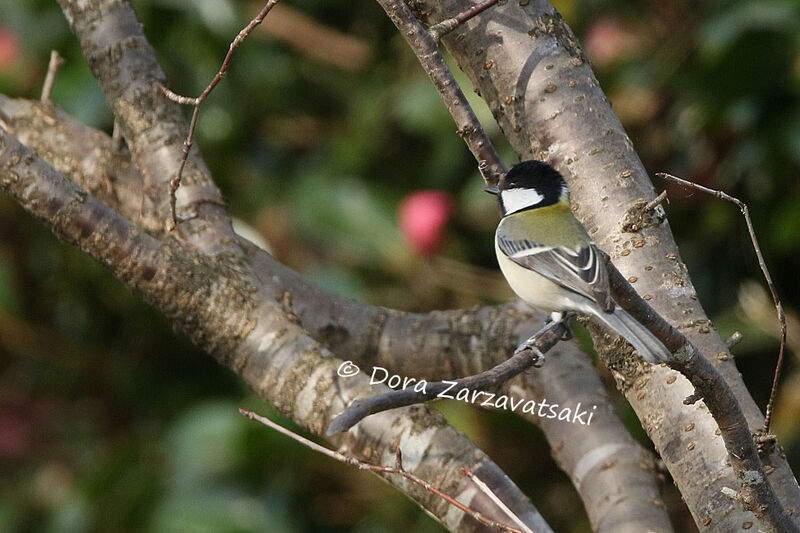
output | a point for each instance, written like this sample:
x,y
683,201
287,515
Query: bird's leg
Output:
x,y
566,318
554,319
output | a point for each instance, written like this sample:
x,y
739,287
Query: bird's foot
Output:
x,y
560,317
530,344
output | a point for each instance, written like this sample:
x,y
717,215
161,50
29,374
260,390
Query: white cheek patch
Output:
x,y
516,199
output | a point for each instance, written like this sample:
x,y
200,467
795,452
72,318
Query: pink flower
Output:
x,y
423,216
609,39
9,47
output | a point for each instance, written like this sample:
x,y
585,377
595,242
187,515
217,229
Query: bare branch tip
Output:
x,y
439,30
56,60
655,202
734,339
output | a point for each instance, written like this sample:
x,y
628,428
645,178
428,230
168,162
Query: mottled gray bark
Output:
x,y
529,67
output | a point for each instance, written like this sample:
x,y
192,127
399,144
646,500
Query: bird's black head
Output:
x,y
531,184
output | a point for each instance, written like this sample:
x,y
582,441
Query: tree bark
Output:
x,y
527,64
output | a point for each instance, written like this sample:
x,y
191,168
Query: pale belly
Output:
x,y
538,291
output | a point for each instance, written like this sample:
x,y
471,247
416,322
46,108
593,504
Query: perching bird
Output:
x,y
549,260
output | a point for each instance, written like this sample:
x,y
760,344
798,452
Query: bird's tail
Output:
x,y
648,346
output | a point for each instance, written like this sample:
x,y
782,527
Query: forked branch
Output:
x,y
198,101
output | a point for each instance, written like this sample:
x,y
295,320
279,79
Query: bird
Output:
x,y
549,260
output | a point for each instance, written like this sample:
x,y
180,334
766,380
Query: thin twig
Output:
x,y
197,102
734,339
50,78
497,501
398,470
778,306
444,27
543,340
655,202
428,54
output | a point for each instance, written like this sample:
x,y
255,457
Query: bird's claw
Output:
x,y
525,346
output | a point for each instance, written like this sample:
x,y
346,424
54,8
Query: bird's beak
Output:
x,y
492,189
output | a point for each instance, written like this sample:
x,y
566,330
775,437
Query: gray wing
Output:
x,y
580,270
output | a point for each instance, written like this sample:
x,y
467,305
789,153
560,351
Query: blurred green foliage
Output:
x,y
109,422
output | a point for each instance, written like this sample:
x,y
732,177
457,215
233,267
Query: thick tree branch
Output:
x,y
76,217
548,102
87,156
601,459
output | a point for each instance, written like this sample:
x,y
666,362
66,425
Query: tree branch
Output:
x,y
548,102
756,492
763,265
124,63
197,102
86,155
522,360
427,51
